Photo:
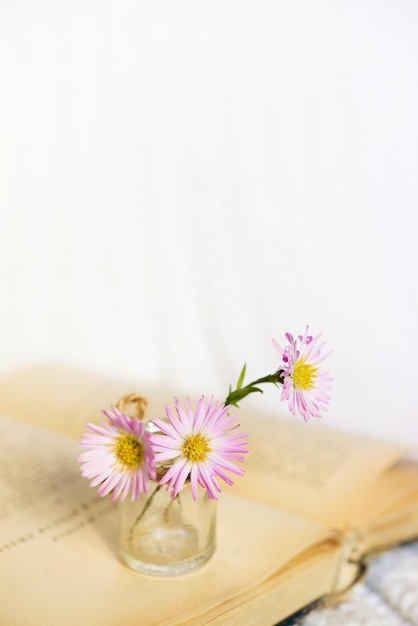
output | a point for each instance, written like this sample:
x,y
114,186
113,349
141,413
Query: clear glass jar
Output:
x,y
166,536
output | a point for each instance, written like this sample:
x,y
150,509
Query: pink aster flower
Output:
x,y
201,445
305,385
118,456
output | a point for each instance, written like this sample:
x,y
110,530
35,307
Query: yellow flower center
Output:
x,y
129,450
196,448
304,375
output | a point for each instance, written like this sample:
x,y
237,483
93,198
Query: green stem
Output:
x,y
240,392
144,510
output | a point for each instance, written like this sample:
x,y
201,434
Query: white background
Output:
x,y
183,181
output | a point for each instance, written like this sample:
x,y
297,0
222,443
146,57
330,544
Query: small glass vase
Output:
x,y
166,536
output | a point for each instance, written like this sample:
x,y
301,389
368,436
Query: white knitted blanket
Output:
x,y
389,596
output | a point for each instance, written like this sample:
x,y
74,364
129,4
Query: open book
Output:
x,y
313,506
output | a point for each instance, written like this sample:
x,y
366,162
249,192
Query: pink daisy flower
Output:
x,y
201,445
118,456
305,385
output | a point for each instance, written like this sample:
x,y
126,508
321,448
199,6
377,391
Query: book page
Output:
x,y
392,508
59,559
64,399
313,469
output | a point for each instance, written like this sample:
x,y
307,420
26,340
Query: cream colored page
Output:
x,y
64,399
311,469
58,546
392,508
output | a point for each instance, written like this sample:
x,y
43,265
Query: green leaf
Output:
x,y
241,377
